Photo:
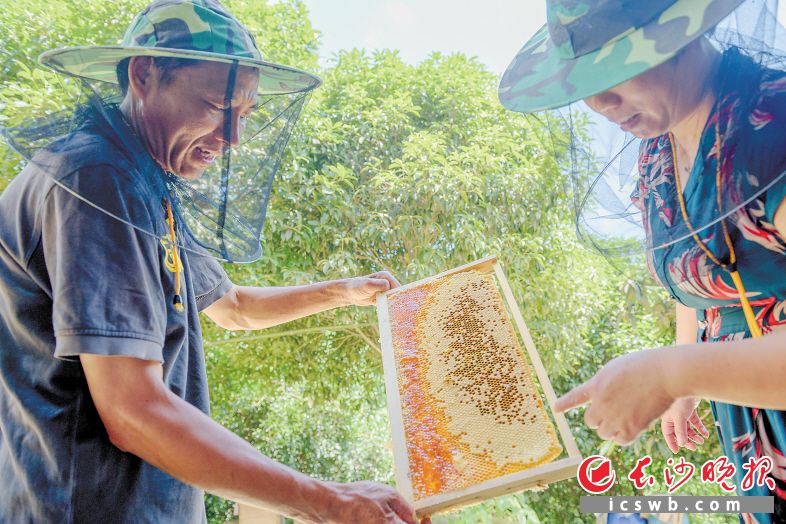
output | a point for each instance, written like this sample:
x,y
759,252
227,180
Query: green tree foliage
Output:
x,y
413,169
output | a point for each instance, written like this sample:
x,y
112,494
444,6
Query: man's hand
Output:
x,y
370,503
363,291
625,396
681,425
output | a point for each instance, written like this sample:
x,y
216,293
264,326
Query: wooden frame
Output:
x,y
536,477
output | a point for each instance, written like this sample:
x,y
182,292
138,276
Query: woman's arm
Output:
x,y
680,424
686,325
749,372
631,391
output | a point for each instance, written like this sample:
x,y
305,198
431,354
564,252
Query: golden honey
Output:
x,y
470,406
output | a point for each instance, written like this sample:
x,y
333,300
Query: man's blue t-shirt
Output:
x,y
73,280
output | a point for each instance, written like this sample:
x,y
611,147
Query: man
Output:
x,y
104,267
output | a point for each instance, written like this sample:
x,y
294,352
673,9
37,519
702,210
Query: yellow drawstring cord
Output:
x,y
731,267
177,301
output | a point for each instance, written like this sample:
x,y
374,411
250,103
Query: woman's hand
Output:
x,y
681,425
625,396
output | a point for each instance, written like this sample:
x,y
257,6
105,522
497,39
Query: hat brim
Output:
x,y
100,63
539,78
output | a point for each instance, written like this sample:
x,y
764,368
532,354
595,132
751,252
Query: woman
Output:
x,y
710,192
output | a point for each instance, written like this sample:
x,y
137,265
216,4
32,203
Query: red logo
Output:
x,y
717,471
683,469
595,474
639,475
759,468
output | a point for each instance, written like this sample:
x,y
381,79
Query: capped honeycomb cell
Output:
x,y
470,407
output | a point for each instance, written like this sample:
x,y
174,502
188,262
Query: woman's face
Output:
x,y
647,105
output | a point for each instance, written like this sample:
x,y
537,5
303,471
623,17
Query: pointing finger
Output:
x,y
575,397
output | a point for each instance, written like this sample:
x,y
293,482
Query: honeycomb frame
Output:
x,y
429,492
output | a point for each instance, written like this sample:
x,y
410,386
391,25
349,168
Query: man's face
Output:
x,y
183,118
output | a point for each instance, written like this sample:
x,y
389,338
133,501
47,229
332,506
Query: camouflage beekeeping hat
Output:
x,y
589,46
195,29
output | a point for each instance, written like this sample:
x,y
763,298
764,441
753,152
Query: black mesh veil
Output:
x,y
221,212
605,163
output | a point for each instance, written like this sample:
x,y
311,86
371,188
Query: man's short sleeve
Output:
x,y
104,274
210,281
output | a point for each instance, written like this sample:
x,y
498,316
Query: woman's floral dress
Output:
x,y
750,113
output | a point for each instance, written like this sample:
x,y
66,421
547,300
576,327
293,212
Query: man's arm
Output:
x,y
246,307
144,418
